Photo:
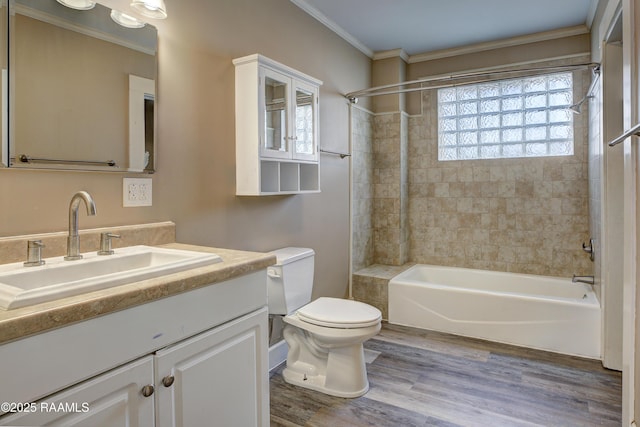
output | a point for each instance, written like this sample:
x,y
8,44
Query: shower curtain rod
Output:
x,y
577,107
451,80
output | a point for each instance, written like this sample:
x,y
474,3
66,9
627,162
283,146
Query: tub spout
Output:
x,y
589,280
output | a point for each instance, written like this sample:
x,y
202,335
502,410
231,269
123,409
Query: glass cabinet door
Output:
x,y
305,124
275,141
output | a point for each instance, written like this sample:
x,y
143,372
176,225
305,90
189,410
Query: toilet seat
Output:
x,y
339,313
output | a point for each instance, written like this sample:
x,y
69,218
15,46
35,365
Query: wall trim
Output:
x,y
393,53
278,354
509,42
323,19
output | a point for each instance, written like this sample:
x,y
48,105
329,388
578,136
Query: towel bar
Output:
x,y
26,159
633,131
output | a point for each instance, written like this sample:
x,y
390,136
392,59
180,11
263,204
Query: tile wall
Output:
x,y
362,196
526,215
390,188
519,215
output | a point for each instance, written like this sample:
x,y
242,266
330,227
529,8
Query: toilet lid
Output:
x,y
339,313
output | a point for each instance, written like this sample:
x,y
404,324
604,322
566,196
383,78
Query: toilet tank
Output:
x,y
290,280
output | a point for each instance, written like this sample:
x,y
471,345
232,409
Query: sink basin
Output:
x,y
22,286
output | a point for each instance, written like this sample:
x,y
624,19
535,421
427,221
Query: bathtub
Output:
x,y
540,312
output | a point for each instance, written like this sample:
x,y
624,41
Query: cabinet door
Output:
x,y
113,399
305,126
275,140
217,378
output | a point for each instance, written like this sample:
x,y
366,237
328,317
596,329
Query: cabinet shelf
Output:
x,y
281,177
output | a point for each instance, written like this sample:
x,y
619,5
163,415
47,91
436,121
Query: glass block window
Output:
x,y
527,117
304,129
304,122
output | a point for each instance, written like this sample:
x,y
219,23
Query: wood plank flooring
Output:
x,y
425,378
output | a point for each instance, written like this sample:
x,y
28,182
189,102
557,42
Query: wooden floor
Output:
x,y
423,378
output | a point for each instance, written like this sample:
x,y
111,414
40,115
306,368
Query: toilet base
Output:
x,y
317,383
327,360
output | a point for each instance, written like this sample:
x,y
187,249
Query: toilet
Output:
x,y
325,336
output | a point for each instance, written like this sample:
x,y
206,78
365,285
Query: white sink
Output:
x,y
21,286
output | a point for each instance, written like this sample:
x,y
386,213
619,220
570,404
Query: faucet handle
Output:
x,y
105,243
34,253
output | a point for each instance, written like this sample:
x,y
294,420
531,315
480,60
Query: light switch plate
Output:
x,y
136,192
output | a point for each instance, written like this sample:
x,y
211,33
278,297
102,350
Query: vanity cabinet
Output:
x,y
214,378
110,399
194,359
276,128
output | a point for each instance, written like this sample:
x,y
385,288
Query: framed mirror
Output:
x,y
82,89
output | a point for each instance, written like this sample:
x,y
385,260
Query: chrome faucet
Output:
x,y
34,253
73,240
105,243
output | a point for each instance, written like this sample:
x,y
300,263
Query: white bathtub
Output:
x,y
546,313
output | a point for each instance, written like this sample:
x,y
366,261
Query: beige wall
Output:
x,y
388,71
195,182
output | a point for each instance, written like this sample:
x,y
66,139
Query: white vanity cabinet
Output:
x,y
110,399
276,128
194,359
214,378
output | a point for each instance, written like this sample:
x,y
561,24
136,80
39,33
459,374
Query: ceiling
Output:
x,y
423,26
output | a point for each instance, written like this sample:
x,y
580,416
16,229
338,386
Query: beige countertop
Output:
x,y
25,321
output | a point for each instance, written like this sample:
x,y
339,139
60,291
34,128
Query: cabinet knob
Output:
x,y
147,390
168,380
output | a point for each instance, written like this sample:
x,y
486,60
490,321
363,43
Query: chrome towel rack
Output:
x,y
27,159
342,155
633,131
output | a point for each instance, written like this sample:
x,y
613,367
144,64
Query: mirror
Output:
x,y
81,90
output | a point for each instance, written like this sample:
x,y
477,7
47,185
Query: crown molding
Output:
x,y
391,54
509,42
592,12
323,19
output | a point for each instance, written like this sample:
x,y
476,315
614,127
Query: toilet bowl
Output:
x,y
324,337
325,340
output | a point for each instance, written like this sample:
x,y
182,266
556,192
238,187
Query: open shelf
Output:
x,y
309,177
269,177
289,177
286,177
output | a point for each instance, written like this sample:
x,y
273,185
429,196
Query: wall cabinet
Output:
x,y
215,377
276,128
